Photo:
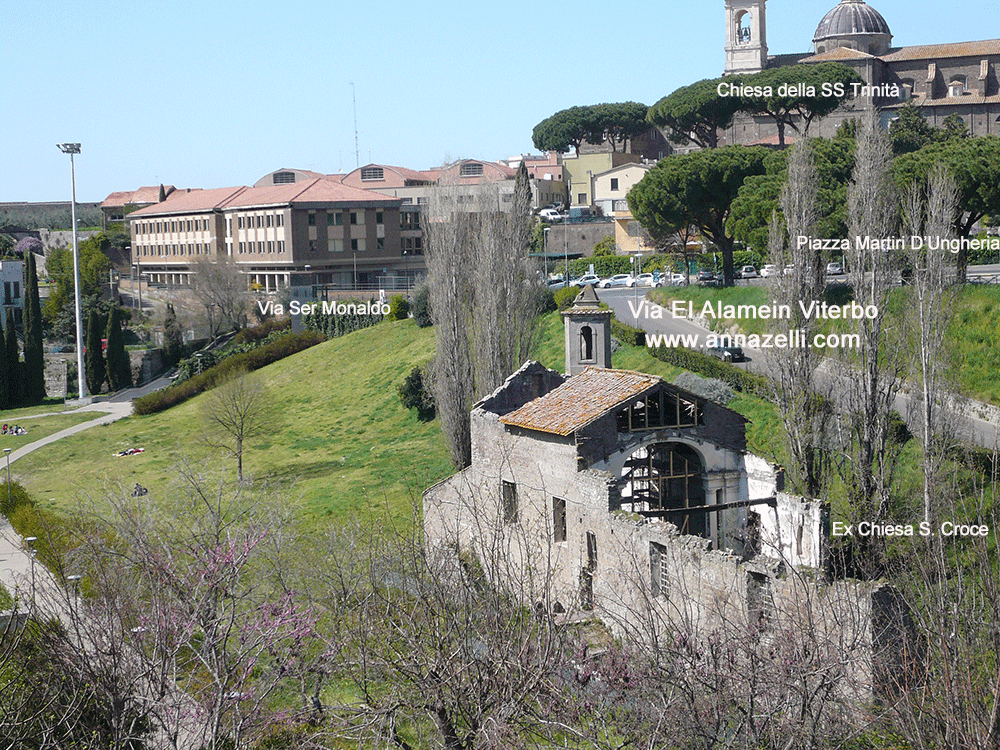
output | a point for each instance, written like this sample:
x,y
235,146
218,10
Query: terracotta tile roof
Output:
x,y
921,100
183,201
146,194
580,400
320,190
958,49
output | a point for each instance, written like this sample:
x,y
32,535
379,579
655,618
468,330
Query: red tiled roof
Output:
x,y
146,194
580,400
323,190
958,49
183,201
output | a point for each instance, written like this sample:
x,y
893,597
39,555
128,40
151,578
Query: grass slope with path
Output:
x,y
339,434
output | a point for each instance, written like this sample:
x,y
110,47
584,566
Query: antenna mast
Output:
x,y
357,152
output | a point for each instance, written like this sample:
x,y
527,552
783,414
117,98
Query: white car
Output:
x,y
550,215
678,279
619,279
589,280
834,269
748,272
768,270
789,269
646,279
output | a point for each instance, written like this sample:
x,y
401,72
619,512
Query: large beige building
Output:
x,y
312,232
942,79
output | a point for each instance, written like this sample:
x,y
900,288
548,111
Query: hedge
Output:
x,y
279,348
627,334
739,380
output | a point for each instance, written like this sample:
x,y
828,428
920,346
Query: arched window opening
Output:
x,y
665,480
587,344
743,34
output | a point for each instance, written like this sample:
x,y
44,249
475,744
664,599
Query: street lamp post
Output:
x,y
198,356
30,541
6,452
72,149
545,252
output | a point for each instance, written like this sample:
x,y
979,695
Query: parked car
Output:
x,y
748,272
705,275
647,279
554,284
834,269
589,279
678,279
727,352
619,279
768,270
550,215
788,270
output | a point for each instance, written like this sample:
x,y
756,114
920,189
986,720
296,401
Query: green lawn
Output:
x,y
50,405
40,427
339,433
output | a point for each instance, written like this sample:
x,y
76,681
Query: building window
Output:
x,y
280,220
281,246
369,174
331,218
508,498
335,246
581,199
260,221
378,217
614,183
338,219
956,87
760,602
470,169
270,220
658,581
283,178
587,574
354,217
558,519
312,218
380,243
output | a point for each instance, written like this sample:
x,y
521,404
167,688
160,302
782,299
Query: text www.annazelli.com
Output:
x,y
794,339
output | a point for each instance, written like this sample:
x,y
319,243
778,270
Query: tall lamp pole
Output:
x,y
6,452
72,149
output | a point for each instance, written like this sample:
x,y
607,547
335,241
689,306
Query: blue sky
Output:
x,y
211,94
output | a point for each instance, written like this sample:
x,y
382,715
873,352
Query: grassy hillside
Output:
x,y
339,433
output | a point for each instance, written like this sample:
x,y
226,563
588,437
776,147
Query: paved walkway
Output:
x,y
105,412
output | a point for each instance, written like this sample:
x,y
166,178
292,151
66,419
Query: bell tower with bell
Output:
x,y
746,36
588,333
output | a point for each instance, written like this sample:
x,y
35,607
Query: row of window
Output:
x,y
261,247
182,248
173,225
248,221
336,218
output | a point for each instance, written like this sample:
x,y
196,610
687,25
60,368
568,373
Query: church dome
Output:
x,y
855,24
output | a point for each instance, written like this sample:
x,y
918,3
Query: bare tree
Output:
x,y
930,213
236,411
221,287
805,412
485,296
875,369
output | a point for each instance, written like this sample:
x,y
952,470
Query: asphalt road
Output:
x,y
980,425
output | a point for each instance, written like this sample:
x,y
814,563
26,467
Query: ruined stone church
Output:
x,y
618,496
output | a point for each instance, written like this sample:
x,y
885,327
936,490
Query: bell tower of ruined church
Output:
x,y
587,333
746,36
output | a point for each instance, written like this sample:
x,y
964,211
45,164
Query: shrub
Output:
x,y
399,308
548,302
740,380
414,395
261,332
712,389
422,306
281,347
627,334
334,325
564,297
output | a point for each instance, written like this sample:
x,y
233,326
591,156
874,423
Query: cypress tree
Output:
x,y
94,362
173,337
6,378
13,358
34,355
119,369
